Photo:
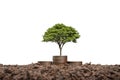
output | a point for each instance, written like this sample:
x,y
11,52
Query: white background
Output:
x,y
23,23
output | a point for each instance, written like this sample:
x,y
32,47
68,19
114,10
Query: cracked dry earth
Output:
x,y
38,71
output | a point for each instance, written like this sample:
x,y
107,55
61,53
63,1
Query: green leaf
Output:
x,y
61,33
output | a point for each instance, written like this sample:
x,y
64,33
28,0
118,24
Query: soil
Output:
x,y
68,71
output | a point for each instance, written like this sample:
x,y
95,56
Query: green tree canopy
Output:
x,y
61,34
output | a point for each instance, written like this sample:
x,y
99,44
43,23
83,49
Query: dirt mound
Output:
x,y
49,71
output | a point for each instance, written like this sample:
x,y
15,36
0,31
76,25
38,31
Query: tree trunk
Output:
x,y
60,47
60,51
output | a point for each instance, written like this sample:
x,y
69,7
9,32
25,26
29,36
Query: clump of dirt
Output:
x,y
50,71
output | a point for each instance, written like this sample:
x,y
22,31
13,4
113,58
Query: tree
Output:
x,y
61,34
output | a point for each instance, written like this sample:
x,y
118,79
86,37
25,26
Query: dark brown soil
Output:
x,y
69,71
